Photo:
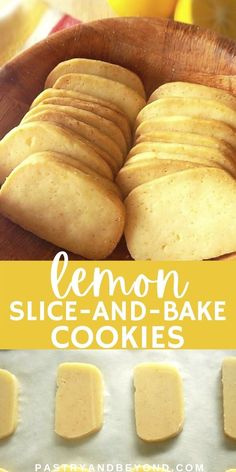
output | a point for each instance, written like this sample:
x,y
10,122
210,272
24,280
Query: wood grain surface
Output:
x,y
158,50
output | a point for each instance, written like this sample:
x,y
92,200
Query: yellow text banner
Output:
x,y
117,305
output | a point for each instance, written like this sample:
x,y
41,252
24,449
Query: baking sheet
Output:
x,y
201,442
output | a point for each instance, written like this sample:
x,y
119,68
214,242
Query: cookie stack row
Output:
x,y
59,165
179,177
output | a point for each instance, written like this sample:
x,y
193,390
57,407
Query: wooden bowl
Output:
x,y
157,50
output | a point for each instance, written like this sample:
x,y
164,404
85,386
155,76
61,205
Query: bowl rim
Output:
x,y
226,43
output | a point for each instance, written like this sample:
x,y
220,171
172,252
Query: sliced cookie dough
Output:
x,y
229,396
8,403
79,400
159,403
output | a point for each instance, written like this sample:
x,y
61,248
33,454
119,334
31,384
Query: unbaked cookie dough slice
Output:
x,y
99,68
123,97
159,401
27,139
229,396
87,134
189,90
64,206
8,403
79,400
183,216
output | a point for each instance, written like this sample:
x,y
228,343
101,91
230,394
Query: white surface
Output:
x,y
202,441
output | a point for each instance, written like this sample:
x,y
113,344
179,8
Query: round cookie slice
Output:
x,y
101,143
191,149
70,161
162,157
189,90
123,97
182,138
101,111
224,156
193,107
99,68
30,138
212,129
63,206
63,93
110,131
143,171
189,215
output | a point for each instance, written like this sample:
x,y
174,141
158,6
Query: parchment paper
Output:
x,y
201,442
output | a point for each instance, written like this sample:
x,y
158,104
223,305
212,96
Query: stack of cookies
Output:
x,y
61,161
179,178
89,141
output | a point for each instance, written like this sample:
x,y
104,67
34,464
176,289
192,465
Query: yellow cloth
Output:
x,y
17,24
